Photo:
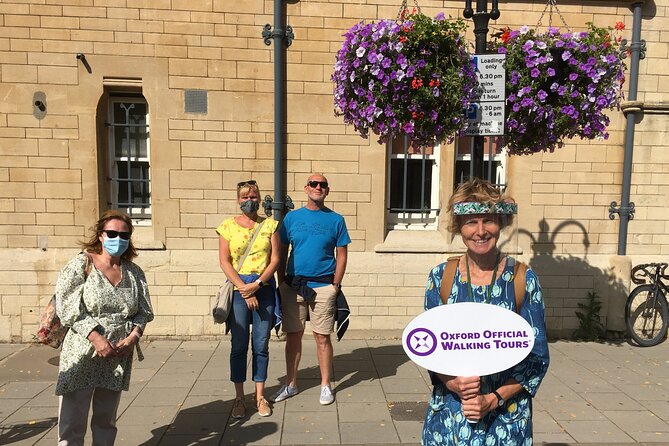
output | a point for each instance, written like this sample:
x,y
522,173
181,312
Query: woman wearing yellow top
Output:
x,y
254,297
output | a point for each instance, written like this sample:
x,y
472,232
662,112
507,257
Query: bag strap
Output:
x,y
519,281
248,247
447,278
87,268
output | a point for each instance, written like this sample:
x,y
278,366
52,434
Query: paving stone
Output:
x,y
362,394
32,363
191,440
574,410
42,417
360,412
409,432
157,396
150,416
22,436
308,422
253,430
368,433
139,435
10,405
612,401
309,438
590,431
403,385
637,420
23,390
198,423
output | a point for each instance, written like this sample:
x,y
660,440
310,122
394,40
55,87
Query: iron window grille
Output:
x,y
129,166
413,185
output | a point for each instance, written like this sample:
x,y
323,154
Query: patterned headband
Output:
x,y
474,207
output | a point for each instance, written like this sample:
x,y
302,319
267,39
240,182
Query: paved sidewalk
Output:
x,y
181,395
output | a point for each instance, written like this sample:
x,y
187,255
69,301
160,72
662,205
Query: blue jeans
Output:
x,y
240,321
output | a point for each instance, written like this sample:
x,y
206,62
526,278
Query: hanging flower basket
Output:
x,y
559,85
410,76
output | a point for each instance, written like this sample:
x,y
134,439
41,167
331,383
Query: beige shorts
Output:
x,y
321,311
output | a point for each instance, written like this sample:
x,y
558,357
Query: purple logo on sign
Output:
x,y
421,342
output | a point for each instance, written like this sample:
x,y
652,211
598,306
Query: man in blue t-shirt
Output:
x,y
310,281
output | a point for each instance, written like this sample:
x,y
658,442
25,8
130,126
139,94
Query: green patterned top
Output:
x,y
84,304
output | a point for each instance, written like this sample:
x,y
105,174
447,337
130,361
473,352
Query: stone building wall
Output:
x,y
50,188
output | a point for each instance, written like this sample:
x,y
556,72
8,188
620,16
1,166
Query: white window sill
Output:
x,y
415,241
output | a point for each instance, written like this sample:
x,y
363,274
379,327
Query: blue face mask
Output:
x,y
249,206
115,247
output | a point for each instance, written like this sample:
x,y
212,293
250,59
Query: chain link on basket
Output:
x,y
550,5
404,7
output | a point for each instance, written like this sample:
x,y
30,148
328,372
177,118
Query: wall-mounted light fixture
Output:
x,y
82,58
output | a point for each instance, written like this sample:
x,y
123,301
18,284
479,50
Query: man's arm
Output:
x,y
340,269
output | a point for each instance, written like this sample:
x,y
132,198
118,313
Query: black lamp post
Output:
x,y
481,17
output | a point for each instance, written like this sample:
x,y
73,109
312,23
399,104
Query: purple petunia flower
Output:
x,y
535,72
573,76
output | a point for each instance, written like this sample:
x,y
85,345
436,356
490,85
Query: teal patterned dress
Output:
x,y
511,425
84,304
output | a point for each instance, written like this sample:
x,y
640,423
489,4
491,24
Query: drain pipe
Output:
x,y
621,265
630,108
281,34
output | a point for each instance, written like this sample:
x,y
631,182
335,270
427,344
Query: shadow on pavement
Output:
x,y
351,368
19,432
206,423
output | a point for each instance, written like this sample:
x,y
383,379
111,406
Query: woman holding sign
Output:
x,y
494,409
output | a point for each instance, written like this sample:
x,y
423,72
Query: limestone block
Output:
x,y
19,73
187,67
161,325
389,322
176,305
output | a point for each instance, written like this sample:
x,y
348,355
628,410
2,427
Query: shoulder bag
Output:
x,y
51,331
222,301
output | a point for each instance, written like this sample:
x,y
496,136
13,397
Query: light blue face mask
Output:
x,y
115,247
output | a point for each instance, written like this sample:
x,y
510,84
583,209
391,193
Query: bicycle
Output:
x,y
646,310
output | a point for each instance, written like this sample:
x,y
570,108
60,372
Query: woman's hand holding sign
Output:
x,y
465,387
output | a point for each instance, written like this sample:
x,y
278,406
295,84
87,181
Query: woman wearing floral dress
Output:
x,y
502,402
104,298
254,298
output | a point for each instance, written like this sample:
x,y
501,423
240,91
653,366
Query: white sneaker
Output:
x,y
284,392
326,395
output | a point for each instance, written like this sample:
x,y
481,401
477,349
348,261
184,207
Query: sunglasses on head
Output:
x,y
313,184
114,234
246,183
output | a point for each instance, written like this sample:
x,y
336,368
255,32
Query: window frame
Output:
x,y
411,220
141,215
493,149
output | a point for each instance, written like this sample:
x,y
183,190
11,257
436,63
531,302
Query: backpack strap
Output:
x,y
447,278
519,281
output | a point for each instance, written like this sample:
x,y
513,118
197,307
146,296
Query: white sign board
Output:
x,y
468,339
485,116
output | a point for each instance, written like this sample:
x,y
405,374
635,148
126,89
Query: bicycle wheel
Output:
x,y
646,315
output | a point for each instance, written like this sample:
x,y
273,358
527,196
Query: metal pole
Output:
x,y
481,18
626,209
281,34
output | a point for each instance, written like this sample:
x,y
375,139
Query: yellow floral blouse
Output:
x,y
238,237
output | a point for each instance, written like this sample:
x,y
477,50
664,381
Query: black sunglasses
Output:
x,y
114,234
246,183
313,184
